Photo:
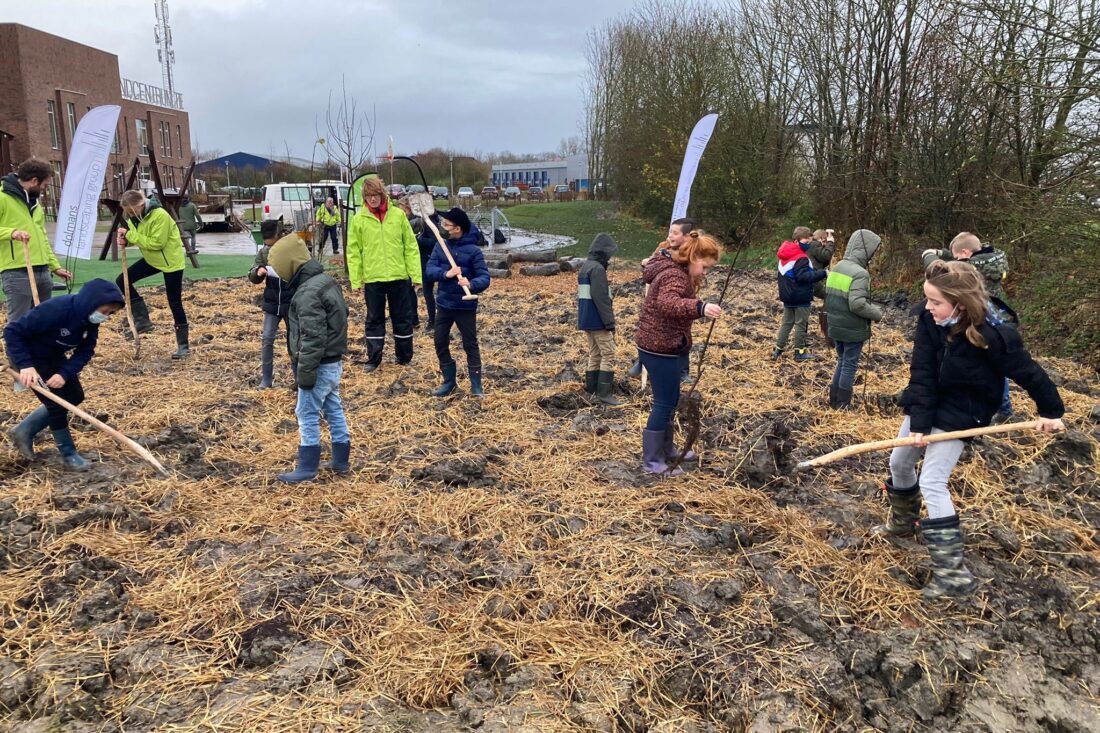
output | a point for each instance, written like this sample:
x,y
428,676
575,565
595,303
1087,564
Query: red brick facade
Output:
x,y
47,83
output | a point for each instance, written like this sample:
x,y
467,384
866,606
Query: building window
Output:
x,y
142,136
146,174
117,178
168,137
115,149
51,113
179,140
72,120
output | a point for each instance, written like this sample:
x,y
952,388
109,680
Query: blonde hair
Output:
x,y
965,241
373,187
962,285
697,247
132,198
820,235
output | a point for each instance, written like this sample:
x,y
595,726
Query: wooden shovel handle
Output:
x,y
446,251
99,425
30,274
860,448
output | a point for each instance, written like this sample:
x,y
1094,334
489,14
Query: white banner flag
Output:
x,y
77,212
697,143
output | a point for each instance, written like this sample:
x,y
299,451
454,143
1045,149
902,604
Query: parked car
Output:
x,y
441,192
414,188
490,193
535,192
512,192
465,192
395,190
562,193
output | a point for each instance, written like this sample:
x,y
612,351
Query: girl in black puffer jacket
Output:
x,y
961,356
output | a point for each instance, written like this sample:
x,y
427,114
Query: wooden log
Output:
x,y
538,255
571,264
550,268
499,261
496,274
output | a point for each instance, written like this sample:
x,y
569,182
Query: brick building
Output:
x,y
49,82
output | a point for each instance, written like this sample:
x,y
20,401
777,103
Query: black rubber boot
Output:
x,y
450,380
476,388
833,389
341,459
141,316
182,347
309,456
591,379
843,399
635,370
65,446
22,435
605,388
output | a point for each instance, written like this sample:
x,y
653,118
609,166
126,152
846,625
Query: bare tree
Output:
x,y
350,132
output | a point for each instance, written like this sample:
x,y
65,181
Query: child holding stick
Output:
x,y
962,353
54,342
664,333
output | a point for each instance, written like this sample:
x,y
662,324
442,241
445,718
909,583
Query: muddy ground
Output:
x,y
502,565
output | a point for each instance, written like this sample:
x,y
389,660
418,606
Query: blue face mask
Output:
x,y
95,318
951,320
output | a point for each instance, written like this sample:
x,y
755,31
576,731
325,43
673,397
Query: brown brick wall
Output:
x,y
39,67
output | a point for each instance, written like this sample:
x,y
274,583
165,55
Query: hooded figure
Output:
x,y
596,318
317,325
58,339
848,290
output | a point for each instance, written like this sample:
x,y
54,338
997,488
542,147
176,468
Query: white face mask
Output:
x,y
95,318
951,320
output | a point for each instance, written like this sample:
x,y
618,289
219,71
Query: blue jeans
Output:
x,y
664,375
324,398
847,361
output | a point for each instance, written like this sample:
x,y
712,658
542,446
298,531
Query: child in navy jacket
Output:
x,y
796,278
472,272
53,343
596,318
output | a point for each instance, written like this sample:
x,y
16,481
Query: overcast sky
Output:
x,y
470,76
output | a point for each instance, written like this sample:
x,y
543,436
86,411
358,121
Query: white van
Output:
x,y
295,204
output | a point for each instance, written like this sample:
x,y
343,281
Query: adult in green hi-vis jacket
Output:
x,y
154,232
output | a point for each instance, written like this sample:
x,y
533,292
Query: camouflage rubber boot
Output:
x,y
904,512
950,576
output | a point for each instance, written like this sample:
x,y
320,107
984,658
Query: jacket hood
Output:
x,y
603,245
150,204
310,269
656,266
10,185
789,251
862,246
287,256
95,293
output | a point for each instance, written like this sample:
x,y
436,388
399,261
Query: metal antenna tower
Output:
x,y
162,33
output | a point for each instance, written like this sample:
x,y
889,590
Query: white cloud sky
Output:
x,y
467,75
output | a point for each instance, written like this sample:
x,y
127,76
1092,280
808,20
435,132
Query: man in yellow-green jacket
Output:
x,y
328,216
384,260
154,232
23,221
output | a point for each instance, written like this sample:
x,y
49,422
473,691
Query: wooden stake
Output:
x,y
860,448
30,274
126,296
121,439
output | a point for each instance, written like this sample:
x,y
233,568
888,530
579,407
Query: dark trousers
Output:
x,y
467,327
402,304
327,233
71,391
847,362
428,287
173,287
664,376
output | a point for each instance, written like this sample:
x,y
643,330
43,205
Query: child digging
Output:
x,y
39,345
962,352
664,333
796,278
596,318
317,326
848,301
